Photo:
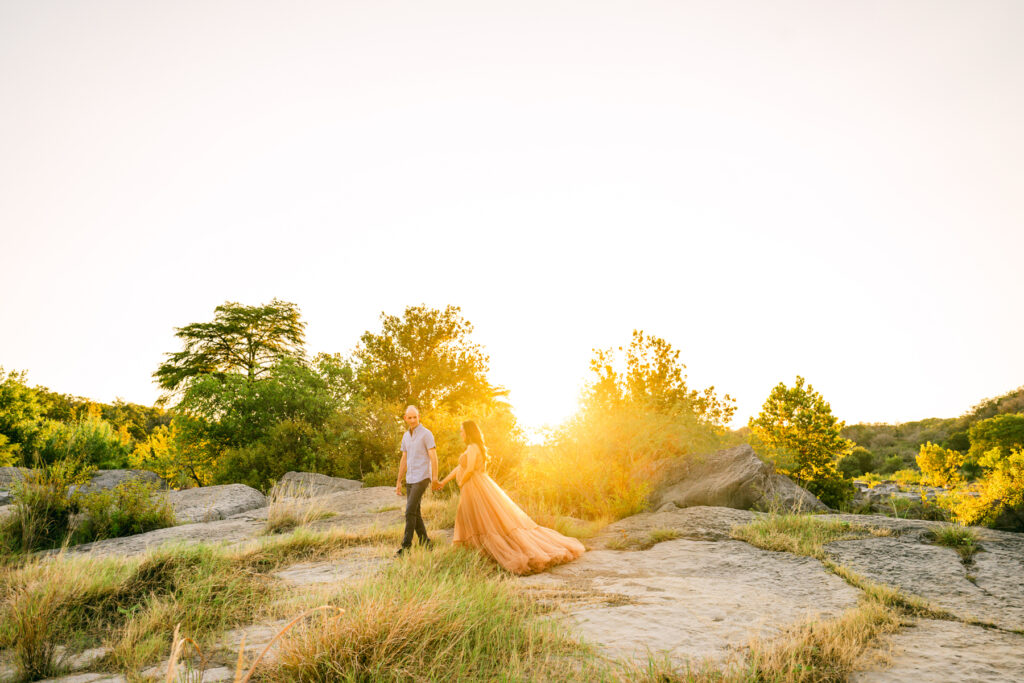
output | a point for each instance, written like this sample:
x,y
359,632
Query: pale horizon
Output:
x,y
823,189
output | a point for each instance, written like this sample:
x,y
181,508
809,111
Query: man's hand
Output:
x,y
435,485
398,489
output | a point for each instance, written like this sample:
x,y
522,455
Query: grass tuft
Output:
x,y
962,539
801,534
291,506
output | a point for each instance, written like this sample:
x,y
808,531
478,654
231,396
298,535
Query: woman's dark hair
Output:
x,y
474,435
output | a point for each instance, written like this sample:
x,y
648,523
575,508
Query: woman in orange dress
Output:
x,y
488,519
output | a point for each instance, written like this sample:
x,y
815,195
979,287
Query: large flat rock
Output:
x,y
942,651
990,590
313,484
209,503
692,599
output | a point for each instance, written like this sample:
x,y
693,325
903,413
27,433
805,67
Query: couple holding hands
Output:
x,y
486,518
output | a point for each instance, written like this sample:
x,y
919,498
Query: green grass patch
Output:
x,y
962,539
801,534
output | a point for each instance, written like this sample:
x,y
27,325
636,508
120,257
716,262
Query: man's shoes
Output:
x,y
401,551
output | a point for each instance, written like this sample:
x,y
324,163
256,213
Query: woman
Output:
x,y
488,519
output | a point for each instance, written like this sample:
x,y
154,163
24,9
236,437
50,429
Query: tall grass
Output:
x,y
129,603
446,614
290,505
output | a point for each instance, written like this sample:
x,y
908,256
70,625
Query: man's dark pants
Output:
x,y
413,518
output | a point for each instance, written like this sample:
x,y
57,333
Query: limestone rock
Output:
x,y
208,503
939,651
699,523
311,484
735,478
9,475
691,599
104,480
990,589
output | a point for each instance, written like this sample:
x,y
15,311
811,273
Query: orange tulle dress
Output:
x,y
488,519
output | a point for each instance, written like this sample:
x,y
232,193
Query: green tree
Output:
x,y
425,358
90,439
858,462
801,434
247,340
653,376
1003,432
21,416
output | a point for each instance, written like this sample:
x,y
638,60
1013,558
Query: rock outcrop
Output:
x,y
310,484
209,503
735,478
104,480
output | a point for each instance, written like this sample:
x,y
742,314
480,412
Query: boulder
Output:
x,y
209,503
309,484
734,478
104,480
9,475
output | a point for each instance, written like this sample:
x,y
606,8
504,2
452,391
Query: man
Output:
x,y
419,467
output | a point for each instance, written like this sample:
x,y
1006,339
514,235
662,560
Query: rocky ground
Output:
x,y
694,592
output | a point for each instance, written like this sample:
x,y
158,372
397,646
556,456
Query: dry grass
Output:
x,y
126,603
291,506
439,513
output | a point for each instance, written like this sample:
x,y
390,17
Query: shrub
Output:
x,y
131,507
90,439
939,466
997,499
42,507
859,462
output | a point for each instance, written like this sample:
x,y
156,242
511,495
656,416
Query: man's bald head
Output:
x,y
412,417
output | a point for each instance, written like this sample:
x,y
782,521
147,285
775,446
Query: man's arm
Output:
x,y
401,475
433,469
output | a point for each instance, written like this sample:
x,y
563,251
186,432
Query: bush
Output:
x,y
857,463
998,498
131,507
42,507
939,466
47,515
891,464
90,439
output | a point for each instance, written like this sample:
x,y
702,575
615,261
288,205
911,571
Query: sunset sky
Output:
x,y
831,189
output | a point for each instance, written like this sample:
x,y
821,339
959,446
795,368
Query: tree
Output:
x,y
247,340
21,415
1003,432
799,431
653,376
939,466
221,414
424,358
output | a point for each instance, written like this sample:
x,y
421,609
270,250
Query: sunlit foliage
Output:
x,y
797,429
939,466
997,498
635,410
